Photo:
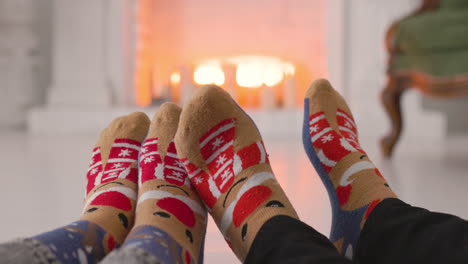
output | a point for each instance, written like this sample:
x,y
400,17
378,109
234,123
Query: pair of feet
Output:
x,y
210,155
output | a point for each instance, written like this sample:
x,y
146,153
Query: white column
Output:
x,y
81,49
18,56
92,72
119,45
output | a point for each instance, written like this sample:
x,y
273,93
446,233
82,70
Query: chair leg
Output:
x,y
391,98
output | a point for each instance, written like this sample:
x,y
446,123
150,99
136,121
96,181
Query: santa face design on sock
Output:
x,y
342,146
247,205
167,194
236,185
109,186
175,210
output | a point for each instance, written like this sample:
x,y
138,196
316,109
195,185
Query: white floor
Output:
x,y
43,181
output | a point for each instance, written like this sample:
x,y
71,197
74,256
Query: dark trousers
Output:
x,y
395,232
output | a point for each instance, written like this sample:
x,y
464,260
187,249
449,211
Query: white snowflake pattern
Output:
x,y
125,153
179,164
327,138
226,175
91,162
177,174
112,174
198,180
218,141
314,128
93,171
348,124
221,160
149,159
144,150
117,165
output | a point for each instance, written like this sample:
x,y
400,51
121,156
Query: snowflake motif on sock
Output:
x,y
221,160
223,164
314,129
225,176
179,164
217,143
123,154
327,138
117,165
169,169
198,180
149,160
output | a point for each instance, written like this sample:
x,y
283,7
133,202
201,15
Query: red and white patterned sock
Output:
x,y
112,176
355,186
224,155
111,192
167,203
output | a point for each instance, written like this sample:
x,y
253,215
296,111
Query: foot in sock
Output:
x,y
355,186
170,219
111,194
224,155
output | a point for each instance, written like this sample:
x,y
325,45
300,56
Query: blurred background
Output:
x,y
68,67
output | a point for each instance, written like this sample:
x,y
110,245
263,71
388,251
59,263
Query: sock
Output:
x,y
355,186
227,163
111,194
170,218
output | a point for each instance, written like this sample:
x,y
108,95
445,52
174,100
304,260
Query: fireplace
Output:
x,y
114,57
264,53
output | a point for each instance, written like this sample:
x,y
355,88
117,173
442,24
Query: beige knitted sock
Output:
x,y
355,186
224,155
112,177
167,203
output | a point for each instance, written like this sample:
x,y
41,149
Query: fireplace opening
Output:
x,y
264,53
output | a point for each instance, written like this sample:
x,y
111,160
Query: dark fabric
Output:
x,y
283,239
396,232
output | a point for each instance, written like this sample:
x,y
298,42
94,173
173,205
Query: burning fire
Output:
x,y
251,71
209,73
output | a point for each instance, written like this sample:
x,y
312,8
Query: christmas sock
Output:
x,y
226,160
170,218
355,186
111,194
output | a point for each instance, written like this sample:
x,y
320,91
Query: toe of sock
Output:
x,y
133,126
324,98
319,86
165,121
208,108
